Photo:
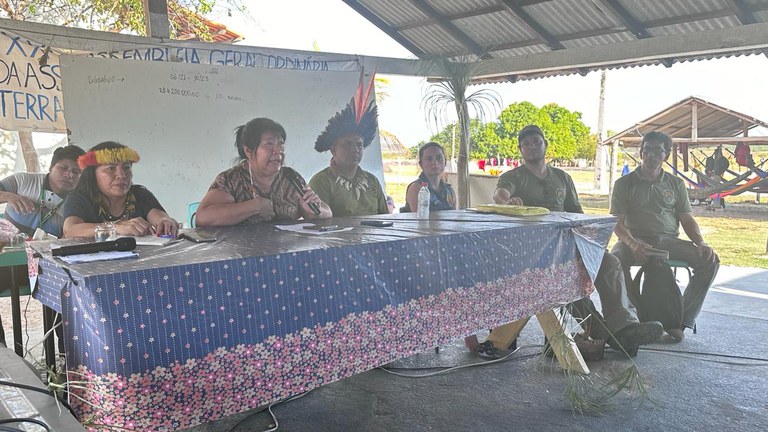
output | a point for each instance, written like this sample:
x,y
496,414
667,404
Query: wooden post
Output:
x,y
31,159
156,17
569,356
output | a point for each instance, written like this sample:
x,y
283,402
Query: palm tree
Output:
x,y
450,89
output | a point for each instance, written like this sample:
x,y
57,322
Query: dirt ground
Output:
x,y
32,322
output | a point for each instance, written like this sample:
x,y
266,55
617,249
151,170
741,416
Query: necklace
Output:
x,y
258,190
128,209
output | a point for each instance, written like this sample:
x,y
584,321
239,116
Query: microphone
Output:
x,y
298,184
123,244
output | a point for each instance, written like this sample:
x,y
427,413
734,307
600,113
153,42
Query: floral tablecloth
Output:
x,y
190,333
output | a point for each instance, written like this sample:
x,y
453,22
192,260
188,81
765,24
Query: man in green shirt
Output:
x,y
344,186
650,205
348,189
534,183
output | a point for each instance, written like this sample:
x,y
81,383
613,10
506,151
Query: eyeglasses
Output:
x,y
654,150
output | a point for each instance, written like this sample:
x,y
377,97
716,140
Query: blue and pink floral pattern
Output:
x,y
168,342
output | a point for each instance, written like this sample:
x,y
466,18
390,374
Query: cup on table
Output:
x,y
18,240
104,232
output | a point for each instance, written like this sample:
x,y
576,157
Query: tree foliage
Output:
x,y
568,137
116,15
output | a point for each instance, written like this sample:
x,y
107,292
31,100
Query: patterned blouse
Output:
x,y
236,181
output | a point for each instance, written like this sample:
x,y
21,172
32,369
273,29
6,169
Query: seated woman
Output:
x,y
106,193
432,163
259,188
348,189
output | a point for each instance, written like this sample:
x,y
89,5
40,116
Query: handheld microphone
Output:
x,y
123,244
299,185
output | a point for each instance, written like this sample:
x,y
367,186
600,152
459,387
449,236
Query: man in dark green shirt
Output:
x,y
650,205
534,183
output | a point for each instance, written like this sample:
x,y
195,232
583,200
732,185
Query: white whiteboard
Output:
x,y
181,117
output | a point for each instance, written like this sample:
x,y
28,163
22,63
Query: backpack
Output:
x,y
658,296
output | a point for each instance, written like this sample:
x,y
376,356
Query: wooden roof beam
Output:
x,y
707,140
719,41
546,36
386,28
451,28
453,17
635,26
673,130
744,14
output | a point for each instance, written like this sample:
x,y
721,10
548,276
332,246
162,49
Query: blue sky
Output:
x,y
631,94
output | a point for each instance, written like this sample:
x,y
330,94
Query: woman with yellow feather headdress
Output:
x,y
106,193
344,186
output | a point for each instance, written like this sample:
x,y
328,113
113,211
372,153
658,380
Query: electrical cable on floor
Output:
x,y
43,391
269,409
25,420
455,368
697,356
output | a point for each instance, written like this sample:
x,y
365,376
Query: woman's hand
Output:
x,y
309,197
265,210
135,227
167,226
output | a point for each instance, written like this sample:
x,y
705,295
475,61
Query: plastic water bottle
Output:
x,y
423,211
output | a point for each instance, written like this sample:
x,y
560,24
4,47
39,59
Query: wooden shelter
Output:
x,y
695,122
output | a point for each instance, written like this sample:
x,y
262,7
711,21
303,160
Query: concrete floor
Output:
x,y
704,386
701,384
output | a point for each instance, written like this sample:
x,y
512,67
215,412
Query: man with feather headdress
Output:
x,y
344,186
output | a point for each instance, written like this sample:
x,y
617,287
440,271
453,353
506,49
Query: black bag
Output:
x,y
660,298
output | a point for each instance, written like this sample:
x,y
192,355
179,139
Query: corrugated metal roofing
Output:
x,y
504,29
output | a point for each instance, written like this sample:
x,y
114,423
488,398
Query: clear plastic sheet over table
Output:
x,y
166,335
265,240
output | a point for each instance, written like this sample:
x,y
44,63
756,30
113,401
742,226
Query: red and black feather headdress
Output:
x,y
360,117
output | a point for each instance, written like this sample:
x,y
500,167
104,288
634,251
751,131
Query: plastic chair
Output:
x,y
675,264
191,212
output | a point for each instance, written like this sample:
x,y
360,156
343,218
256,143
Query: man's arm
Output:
x,y
691,228
19,203
503,196
571,204
638,247
505,188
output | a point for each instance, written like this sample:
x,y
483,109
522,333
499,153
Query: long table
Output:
x,y
189,333
9,258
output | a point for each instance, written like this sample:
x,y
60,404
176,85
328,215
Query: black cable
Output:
x,y
269,409
706,354
26,420
39,390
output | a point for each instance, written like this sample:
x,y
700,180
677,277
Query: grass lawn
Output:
x,y
737,234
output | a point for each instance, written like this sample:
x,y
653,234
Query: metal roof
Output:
x,y
505,29
697,122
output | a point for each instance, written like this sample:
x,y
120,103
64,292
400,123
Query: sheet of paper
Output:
x,y
299,228
152,240
99,256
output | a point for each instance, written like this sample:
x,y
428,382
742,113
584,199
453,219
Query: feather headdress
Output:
x,y
360,117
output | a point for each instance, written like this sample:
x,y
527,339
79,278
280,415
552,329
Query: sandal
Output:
x,y
488,351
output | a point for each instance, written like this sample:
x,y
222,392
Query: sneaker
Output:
x,y
632,336
677,334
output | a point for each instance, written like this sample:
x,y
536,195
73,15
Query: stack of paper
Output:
x,y
99,256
